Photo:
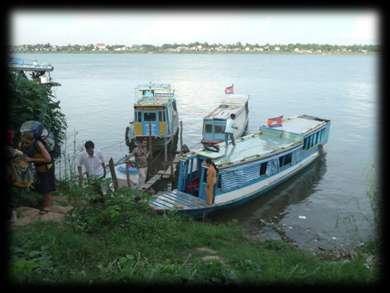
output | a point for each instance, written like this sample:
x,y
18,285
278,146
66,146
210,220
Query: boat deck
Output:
x,y
175,199
253,146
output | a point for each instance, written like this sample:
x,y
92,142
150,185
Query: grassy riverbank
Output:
x,y
122,240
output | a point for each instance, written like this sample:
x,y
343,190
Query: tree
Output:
x,y
29,100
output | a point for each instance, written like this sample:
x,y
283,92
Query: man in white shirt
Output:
x,y
92,161
230,125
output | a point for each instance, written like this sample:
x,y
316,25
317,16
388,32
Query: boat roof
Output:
x,y
301,124
154,94
232,104
253,147
267,141
160,87
19,64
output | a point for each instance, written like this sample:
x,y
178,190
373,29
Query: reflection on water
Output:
x,y
271,207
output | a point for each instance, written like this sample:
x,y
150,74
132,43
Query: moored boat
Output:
x,y
258,162
33,70
155,116
214,123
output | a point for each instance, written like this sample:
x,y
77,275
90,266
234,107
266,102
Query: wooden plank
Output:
x,y
167,205
152,181
193,198
181,197
180,200
161,207
173,202
187,200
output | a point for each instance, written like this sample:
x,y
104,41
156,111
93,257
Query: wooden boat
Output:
x,y
258,162
155,116
214,123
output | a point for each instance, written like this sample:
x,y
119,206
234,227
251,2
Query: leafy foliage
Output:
x,y
29,100
121,240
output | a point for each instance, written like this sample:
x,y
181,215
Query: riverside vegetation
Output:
x,y
122,240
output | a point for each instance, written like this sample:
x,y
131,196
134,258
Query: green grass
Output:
x,y
121,240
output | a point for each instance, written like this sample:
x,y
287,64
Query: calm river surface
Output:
x,y
326,205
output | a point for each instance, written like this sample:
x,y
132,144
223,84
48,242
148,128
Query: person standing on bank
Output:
x,y
93,162
230,125
211,180
36,152
141,159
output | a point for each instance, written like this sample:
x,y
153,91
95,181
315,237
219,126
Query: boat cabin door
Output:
x,y
189,175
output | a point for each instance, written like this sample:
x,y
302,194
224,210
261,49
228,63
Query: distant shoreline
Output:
x,y
201,53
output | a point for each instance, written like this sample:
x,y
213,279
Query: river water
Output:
x,y
326,205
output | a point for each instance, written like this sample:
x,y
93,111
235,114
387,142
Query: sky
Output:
x,y
226,27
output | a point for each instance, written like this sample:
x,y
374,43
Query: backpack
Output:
x,y
41,133
19,171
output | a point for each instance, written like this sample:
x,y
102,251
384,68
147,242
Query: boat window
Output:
x,y
263,168
149,116
219,129
163,113
208,128
161,116
148,93
174,105
139,116
284,160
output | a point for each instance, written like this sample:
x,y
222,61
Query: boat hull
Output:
x,y
243,195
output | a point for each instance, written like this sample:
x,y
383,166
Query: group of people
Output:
x,y
31,149
36,152
93,162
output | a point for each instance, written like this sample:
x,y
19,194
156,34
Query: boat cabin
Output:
x,y
214,123
155,112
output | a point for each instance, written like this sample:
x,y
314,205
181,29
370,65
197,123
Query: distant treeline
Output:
x,y
198,47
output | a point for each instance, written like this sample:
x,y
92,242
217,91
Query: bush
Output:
x,y
29,100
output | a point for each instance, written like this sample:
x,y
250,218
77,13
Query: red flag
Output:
x,y
229,90
274,122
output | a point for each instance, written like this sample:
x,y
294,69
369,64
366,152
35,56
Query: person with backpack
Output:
x,y
212,171
36,151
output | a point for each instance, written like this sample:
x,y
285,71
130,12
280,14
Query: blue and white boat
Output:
x,y
155,116
214,123
33,70
258,162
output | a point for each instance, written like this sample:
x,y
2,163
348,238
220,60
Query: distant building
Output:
x,y
101,46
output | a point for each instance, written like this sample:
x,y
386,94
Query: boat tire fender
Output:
x,y
185,149
211,147
127,137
